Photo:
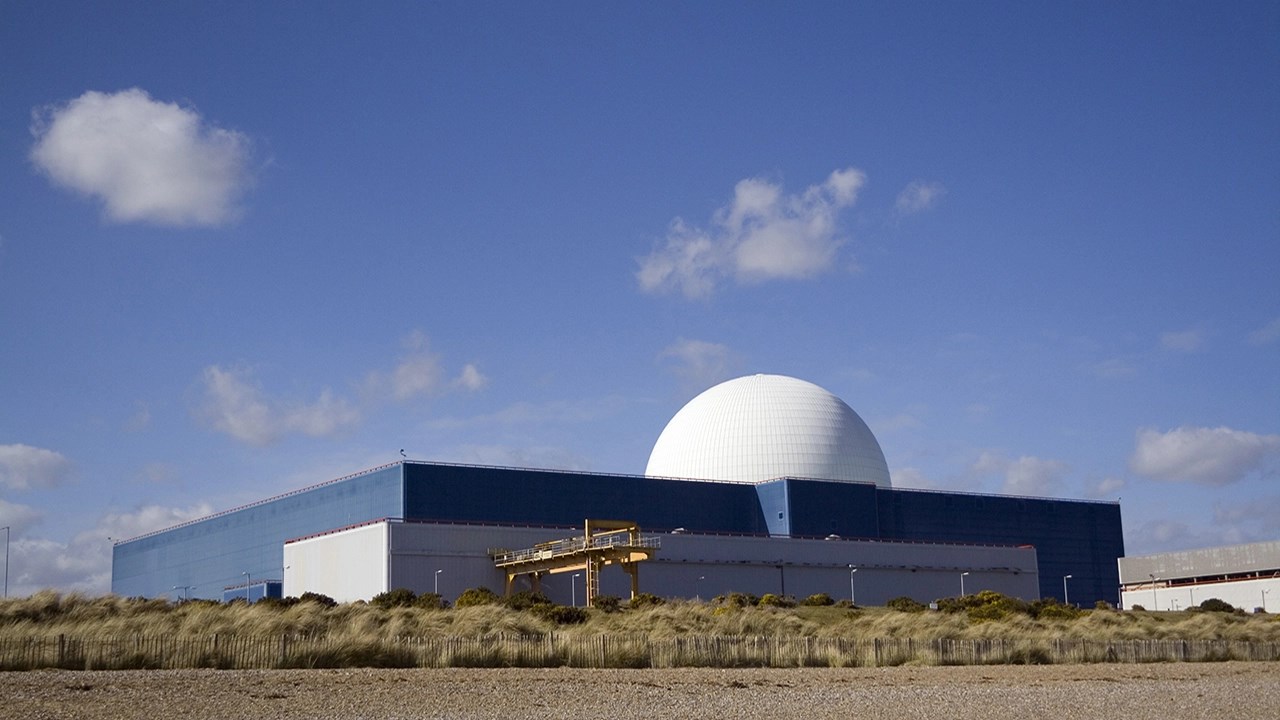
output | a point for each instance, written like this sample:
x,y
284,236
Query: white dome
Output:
x,y
762,427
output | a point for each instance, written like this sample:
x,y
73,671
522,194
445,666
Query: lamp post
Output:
x,y
697,588
248,587
1065,599
1155,601
436,587
6,561
853,596
1264,599
573,589
962,583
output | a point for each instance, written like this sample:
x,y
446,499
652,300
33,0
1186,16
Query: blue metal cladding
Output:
x,y
255,592
1071,537
460,493
822,508
1081,539
247,544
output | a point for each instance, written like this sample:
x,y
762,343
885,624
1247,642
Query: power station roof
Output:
x,y
762,427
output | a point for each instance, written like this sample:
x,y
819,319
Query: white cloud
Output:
x,y
23,467
1026,475
1212,456
1184,341
1106,487
235,406
419,372
1258,519
84,563
146,160
918,196
471,378
761,235
18,517
1266,334
700,364
909,477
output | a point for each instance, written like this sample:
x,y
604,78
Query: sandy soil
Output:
x,y
1134,692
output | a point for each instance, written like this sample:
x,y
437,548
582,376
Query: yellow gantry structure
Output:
x,y
604,542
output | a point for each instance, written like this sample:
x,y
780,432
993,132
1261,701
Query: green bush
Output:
x,y
525,600
736,599
1050,608
642,600
472,597
1137,608
318,598
818,600
905,604
772,600
400,597
431,601
607,603
561,614
1216,605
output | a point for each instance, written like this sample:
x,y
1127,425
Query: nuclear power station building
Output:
x,y
763,484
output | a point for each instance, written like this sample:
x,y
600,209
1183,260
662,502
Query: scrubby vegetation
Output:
x,y
990,625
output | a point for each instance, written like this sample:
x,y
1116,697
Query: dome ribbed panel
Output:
x,y
762,427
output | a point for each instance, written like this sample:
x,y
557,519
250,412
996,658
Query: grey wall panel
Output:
x,y
1263,557
689,565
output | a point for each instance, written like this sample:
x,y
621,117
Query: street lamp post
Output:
x,y
248,587
697,589
436,587
962,583
573,589
853,596
1155,600
1065,598
1264,599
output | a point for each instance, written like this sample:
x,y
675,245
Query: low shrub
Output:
x,y
472,597
1050,608
561,614
1216,605
772,600
736,599
399,597
643,600
525,600
905,604
607,603
431,601
818,600
318,598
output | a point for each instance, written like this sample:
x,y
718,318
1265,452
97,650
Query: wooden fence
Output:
x,y
599,651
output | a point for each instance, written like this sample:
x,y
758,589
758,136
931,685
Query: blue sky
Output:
x,y
248,247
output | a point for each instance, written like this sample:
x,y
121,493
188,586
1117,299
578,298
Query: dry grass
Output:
x,y
676,633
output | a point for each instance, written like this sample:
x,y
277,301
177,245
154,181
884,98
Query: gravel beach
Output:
x,y
1135,692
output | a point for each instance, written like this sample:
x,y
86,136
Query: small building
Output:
x,y
1246,576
